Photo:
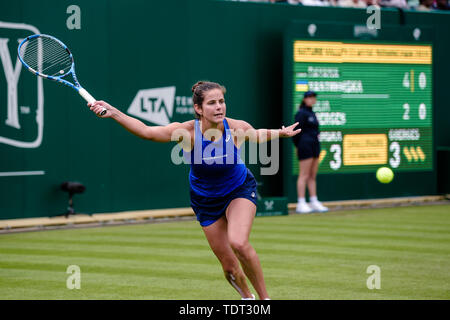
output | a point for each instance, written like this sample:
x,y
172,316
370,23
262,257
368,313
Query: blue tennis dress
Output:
x,y
217,176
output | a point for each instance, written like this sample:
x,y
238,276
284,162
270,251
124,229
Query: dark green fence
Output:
x,y
129,52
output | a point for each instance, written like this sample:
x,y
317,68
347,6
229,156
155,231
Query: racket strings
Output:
x,y
35,52
45,49
57,64
46,56
53,56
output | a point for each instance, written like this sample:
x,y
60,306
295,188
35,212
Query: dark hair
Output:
x,y
303,104
200,88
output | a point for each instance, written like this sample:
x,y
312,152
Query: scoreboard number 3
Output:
x,y
394,161
337,159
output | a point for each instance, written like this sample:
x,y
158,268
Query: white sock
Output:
x,y
313,199
301,200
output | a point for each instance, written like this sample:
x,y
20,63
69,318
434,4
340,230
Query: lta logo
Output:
x,y
159,105
154,105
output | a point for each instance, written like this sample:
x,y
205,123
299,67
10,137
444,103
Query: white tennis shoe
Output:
x,y
252,298
303,207
317,206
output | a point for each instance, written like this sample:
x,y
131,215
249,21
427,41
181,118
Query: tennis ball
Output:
x,y
61,71
385,175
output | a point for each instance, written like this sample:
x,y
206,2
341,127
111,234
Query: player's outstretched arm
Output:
x,y
246,130
175,130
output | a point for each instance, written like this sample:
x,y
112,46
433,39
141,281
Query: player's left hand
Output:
x,y
286,132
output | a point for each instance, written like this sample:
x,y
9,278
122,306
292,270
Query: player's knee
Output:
x,y
305,177
302,176
240,246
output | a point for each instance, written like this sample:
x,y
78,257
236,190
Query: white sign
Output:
x,y
12,68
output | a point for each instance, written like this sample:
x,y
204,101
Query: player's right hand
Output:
x,y
98,106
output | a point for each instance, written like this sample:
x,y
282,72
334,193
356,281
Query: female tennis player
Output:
x,y
222,189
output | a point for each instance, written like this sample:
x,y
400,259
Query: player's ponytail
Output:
x,y
200,88
302,104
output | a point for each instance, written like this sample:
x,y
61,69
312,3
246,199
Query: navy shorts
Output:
x,y
308,149
209,209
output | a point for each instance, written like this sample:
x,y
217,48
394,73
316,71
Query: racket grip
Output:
x,y
89,98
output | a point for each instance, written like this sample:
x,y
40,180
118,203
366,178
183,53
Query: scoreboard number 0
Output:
x,y
422,80
422,111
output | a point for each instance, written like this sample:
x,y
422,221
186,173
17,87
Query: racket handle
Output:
x,y
89,98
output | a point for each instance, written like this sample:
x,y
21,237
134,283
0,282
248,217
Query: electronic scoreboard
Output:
x,y
374,103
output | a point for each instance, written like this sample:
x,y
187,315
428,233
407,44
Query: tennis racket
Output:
x,y
49,58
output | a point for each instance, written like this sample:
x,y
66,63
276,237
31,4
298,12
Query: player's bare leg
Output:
x,y
315,204
217,236
240,215
311,182
303,177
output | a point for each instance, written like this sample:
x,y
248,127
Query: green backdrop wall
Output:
x,y
123,47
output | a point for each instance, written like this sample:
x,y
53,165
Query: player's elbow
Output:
x,y
148,134
157,134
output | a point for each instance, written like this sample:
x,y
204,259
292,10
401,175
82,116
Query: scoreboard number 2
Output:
x,y
406,113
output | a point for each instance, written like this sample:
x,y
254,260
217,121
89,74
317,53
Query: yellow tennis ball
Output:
x,y
385,175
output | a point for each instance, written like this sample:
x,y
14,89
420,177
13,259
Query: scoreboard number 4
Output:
x,y
406,82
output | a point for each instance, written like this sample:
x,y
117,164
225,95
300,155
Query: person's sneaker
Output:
x,y
303,208
252,298
317,206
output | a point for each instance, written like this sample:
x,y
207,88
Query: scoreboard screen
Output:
x,y
374,103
